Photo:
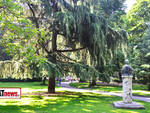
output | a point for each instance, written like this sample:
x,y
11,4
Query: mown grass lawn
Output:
x,y
62,102
136,89
26,86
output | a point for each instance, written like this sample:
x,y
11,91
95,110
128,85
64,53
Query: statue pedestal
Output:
x,y
127,89
133,105
127,96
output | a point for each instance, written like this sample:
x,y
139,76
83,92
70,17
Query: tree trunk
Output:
x,y
51,85
148,86
148,83
82,80
120,76
43,81
52,58
93,83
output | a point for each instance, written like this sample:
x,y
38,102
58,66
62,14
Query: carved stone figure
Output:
x,y
127,69
127,89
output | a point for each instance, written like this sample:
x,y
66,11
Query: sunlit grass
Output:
x,y
26,86
68,103
142,93
63,102
137,89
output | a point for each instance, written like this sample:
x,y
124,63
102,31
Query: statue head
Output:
x,y
127,69
126,61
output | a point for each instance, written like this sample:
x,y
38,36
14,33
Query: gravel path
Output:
x,y
66,86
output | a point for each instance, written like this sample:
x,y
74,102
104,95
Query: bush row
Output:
x,y
20,80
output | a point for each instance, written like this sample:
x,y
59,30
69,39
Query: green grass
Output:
x,y
142,93
66,102
29,85
26,86
137,89
97,87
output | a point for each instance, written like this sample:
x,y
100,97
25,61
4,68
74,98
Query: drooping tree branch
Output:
x,y
37,26
71,50
66,57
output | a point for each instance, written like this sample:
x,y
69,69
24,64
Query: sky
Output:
x,y
129,4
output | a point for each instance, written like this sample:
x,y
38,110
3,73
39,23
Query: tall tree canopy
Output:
x,y
71,19
144,54
138,19
80,24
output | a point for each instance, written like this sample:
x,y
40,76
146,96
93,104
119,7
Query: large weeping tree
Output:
x,y
79,22
81,26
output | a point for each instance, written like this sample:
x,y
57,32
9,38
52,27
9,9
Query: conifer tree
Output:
x,y
79,22
81,25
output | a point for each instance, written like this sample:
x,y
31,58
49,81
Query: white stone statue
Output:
x,y
127,89
127,82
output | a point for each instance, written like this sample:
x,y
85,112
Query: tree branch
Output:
x,y
37,26
71,50
33,13
66,57
57,5
43,46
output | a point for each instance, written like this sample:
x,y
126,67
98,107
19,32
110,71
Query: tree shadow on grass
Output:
x,y
70,102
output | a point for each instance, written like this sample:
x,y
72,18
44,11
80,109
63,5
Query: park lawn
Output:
x,y
26,86
137,89
61,102
141,93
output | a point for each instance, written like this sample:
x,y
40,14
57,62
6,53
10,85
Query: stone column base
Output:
x,y
133,105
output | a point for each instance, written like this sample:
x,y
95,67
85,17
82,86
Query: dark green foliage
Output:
x,y
48,69
110,7
143,54
9,79
78,24
137,22
138,17
84,71
3,54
